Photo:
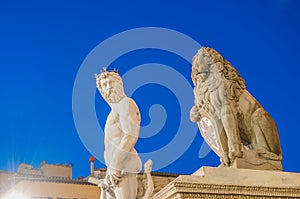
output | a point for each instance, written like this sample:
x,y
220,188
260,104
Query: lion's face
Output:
x,y
201,69
211,72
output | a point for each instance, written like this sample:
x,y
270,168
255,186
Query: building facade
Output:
x,y
54,181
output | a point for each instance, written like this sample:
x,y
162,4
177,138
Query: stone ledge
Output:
x,y
251,160
210,182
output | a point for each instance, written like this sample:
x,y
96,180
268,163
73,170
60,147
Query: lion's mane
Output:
x,y
233,82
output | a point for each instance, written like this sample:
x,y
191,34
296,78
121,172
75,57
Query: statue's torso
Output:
x,y
113,137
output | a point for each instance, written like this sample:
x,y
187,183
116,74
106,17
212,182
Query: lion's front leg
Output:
x,y
224,159
230,124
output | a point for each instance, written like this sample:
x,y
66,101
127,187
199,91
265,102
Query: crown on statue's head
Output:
x,y
104,73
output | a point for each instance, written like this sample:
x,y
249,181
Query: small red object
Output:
x,y
92,159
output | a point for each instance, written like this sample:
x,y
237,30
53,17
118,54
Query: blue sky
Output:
x,y
44,43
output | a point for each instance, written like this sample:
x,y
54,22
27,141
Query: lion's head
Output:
x,y
209,62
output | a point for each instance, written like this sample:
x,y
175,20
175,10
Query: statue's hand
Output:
x,y
115,178
103,185
194,114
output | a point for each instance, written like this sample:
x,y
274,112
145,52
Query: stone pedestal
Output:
x,y
251,160
209,182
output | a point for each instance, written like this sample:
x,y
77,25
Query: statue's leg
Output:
x,y
265,132
102,194
127,188
105,195
230,124
108,196
224,159
259,140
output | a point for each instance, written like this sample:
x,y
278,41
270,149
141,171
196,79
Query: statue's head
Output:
x,y
209,64
110,85
204,62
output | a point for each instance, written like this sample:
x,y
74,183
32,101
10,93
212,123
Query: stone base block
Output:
x,y
209,182
264,165
251,160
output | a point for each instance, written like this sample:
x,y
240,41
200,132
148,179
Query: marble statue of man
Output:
x,y
121,133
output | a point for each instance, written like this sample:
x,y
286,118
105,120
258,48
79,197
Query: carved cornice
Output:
x,y
178,189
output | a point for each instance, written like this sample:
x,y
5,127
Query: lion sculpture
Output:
x,y
229,117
